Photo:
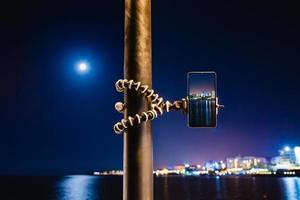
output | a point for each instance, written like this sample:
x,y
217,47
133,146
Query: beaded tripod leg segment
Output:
x,y
157,105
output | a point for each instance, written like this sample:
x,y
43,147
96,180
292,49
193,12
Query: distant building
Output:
x,y
288,158
213,94
203,95
297,154
246,162
233,162
214,165
179,167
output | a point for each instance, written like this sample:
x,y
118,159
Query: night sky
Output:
x,y
54,120
201,82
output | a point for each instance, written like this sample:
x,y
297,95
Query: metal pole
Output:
x,y
138,156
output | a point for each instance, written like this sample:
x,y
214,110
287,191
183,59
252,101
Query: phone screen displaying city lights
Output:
x,y
202,99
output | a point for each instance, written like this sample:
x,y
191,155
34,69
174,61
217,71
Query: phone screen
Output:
x,y
202,99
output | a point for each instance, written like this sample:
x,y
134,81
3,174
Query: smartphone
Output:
x,y
202,96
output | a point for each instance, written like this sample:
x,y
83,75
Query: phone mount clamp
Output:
x,y
158,106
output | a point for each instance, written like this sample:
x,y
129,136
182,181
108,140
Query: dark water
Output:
x,y
166,188
202,113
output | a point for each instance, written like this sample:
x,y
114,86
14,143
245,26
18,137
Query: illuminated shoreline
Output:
x,y
164,173
286,164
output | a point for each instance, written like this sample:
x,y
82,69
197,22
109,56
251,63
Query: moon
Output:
x,y
82,67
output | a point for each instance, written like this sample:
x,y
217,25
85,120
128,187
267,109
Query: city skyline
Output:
x,y
287,162
269,158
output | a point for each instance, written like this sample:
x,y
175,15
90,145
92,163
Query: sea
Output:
x,y
89,187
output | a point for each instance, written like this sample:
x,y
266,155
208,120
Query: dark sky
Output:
x,y
201,82
54,120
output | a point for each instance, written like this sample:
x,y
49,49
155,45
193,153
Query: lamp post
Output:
x,y
138,155
142,104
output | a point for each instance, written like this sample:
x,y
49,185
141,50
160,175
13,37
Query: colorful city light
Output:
x,y
287,148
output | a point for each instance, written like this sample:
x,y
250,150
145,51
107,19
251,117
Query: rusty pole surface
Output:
x,y
138,155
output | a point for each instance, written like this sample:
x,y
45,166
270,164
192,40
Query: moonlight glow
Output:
x,y
82,67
